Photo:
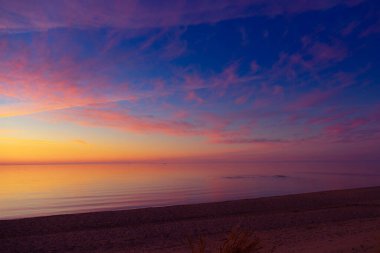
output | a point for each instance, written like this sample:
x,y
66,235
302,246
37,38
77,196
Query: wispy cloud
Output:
x,y
133,14
195,69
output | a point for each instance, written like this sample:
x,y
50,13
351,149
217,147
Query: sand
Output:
x,y
333,221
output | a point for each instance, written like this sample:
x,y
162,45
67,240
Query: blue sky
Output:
x,y
240,79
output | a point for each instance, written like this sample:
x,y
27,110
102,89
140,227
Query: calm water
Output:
x,y
27,191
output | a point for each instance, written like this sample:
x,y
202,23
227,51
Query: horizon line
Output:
x,y
180,161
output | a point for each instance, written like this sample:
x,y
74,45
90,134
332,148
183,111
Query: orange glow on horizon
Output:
x,y
35,151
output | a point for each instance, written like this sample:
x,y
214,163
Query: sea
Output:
x,y
44,190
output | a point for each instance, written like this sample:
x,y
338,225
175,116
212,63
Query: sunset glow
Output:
x,y
95,81
173,126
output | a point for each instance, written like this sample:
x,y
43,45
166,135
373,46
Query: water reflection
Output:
x,y
36,190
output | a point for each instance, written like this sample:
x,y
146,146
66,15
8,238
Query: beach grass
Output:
x,y
237,241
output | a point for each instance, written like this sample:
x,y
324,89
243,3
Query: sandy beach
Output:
x,y
333,221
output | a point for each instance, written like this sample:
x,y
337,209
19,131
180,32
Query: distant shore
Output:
x,y
331,221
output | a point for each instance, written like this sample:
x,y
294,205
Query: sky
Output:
x,y
189,80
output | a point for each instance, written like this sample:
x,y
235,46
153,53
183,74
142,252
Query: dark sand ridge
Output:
x,y
333,221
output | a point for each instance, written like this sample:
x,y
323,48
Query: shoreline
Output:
x,y
190,205
165,229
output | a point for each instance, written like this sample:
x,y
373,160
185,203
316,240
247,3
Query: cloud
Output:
x,y
192,96
349,28
312,98
82,142
363,128
125,121
245,97
98,78
23,15
252,140
322,52
56,78
372,29
275,7
84,91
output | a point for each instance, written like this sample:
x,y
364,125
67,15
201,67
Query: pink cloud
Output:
x,y
52,83
311,59
349,28
134,14
372,29
72,91
192,96
252,141
219,83
194,81
56,84
213,127
125,121
327,117
340,129
263,102
130,14
274,7
323,52
278,90
254,66
312,98
153,39
175,47
269,89
244,36
243,98
344,127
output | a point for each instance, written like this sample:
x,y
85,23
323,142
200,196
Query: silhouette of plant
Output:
x,y
237,241
240,242
197,248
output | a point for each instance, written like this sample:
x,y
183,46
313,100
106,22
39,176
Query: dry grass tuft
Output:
x,y
240,242
235,242
197,248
